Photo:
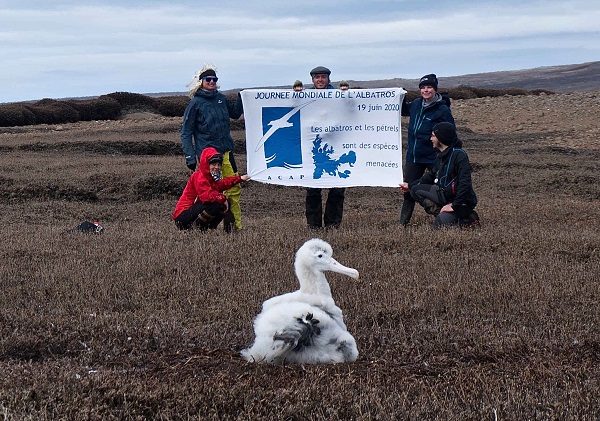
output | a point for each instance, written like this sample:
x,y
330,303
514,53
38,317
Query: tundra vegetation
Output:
x,y
146,322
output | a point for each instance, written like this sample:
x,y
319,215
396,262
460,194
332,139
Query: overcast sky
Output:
x,y
65,48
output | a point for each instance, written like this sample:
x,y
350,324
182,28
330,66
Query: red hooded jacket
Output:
x,y
202,187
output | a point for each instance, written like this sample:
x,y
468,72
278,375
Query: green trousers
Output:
x,y
233,194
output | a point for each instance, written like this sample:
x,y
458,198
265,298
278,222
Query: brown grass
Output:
x,y
146,322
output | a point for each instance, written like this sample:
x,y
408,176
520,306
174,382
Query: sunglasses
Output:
x,y
210,79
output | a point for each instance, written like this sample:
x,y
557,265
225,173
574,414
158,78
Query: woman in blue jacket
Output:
x,y
425,112
206,123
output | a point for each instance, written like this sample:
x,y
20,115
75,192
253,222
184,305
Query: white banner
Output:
x,y
324,137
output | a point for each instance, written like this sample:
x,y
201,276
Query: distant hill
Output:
x,y
584,77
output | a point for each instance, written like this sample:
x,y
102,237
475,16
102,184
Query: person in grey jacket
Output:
x,y
425,112
206,122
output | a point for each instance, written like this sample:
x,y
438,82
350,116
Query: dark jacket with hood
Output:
x,y
452,173
206,123
422,119
203,187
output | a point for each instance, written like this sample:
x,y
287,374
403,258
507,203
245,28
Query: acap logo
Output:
x,y
282,138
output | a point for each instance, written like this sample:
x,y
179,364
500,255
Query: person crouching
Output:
x,y
447,190
202,202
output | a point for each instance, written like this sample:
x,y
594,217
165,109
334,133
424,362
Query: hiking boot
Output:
x,y
406,212
228,222
470,221
431,207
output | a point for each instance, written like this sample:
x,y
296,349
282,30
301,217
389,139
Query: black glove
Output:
x,y
446,98
192,166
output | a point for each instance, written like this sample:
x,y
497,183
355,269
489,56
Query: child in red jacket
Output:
x,y
202,200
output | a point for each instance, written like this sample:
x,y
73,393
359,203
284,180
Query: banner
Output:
x,y
324,137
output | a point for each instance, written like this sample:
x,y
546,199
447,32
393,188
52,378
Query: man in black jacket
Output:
x,y
446,191
334,205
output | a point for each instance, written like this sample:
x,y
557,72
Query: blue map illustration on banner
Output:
x,y
324,163
283,140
